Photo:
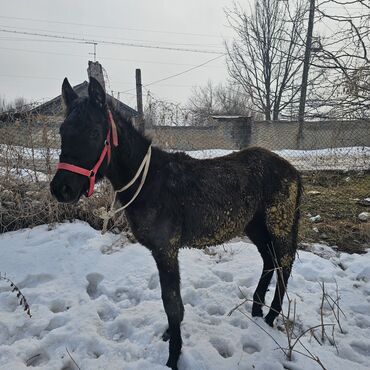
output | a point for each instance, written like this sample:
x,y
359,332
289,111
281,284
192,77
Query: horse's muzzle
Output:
x,y
67,189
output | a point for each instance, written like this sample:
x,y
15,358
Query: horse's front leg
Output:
x,y
169,276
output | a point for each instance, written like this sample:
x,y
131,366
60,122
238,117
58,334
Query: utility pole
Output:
x,y
306,67
139,100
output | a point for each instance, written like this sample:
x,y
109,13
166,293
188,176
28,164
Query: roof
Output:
x,y
224,119
55,106
231,117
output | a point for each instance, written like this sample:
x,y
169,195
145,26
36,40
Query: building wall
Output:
x,y
316,135
222,136
271,135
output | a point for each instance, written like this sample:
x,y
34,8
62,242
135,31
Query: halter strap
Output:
x,y
91,174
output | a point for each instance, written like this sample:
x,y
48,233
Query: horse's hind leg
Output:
x,y
283,262
257,232
169,277
282,222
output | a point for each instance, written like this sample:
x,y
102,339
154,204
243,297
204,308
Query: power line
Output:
x,y
178,74
110,27
101,57
131,44
186,71
31,77
10,38
66,33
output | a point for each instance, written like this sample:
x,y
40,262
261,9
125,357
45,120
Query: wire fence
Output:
x,y
333,156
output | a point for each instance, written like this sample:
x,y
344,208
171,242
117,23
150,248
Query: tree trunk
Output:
x,y
267,115
275,115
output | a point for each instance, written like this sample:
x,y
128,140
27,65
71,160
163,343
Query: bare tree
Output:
x,y
221,99
4,105
20,104
343,55
266,55
160,112
17,105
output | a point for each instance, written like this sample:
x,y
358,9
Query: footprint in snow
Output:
x,y
153,282
361,348
58,305
222,346
69,366
95,349
94,279
250,346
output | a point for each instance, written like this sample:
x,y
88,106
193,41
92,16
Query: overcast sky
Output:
x,y
34,67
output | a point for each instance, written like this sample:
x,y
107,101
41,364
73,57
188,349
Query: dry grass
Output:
x,y
339,201
30,204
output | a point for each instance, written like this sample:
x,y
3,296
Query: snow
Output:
x,y
364,216
15,151
208,153
24,174
349,158
99,298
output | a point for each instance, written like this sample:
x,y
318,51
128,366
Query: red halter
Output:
x,y
106,151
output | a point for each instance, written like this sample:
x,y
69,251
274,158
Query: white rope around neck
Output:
x,y
143,168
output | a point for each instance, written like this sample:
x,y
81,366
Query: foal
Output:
x,y
183,201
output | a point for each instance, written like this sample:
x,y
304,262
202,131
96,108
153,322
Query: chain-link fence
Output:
x,y
29,152
333,156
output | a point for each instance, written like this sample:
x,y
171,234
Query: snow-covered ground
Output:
x,y
99,298
24,174
14,151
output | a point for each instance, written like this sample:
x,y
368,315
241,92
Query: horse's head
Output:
x,y
85,137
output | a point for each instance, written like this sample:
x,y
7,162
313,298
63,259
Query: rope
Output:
x,y
143,168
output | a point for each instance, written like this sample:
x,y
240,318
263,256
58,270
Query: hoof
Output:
x,y
166,336
269,319
257,311
171,365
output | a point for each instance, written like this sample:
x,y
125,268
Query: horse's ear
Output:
x,y
68,93
96,93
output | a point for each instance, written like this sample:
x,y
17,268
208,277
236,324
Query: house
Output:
x,y
230,119
55,106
